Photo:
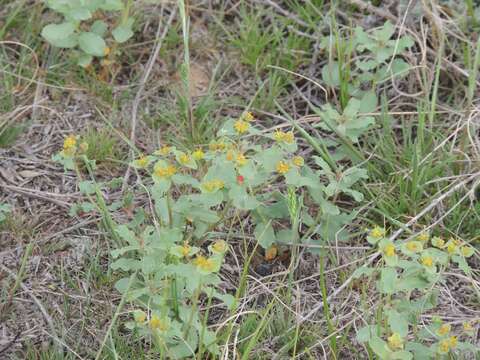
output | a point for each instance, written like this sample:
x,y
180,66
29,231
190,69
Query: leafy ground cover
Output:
x,y
246,179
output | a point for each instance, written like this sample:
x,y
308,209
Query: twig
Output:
x,y
143,81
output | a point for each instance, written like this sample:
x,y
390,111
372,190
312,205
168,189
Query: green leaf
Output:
x,y
78,14
112,5
264,234
368,103
126,234
331,74
99,27
87,187
366,333
363,270
398,322
388,280
379,347
84,60
241,199
123,32
92,44
60,35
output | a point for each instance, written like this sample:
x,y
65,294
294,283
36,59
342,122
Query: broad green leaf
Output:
x,y
363,270
365,333
388,280
379,347
123,32
78,14
397,322
92,44
264,234
331,74
84,60
99,27
60,35
112,5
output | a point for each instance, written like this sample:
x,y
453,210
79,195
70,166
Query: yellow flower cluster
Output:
x,y
204,263
298,161
248,116
198,154
241,126
213,185
142,162
220,246
395,342
427,261
445,345
184,159
163,151
377,232
285,137
282,167
217,146
389,250
414,246
70,145
241,159
158,324
165,171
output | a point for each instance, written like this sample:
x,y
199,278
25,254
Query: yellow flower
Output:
x,y
282,167
248,116
106,51
389,250
142,161
413,246
438,242
164,150
278,135
444,346
241,126
453,341
165,171
298,161
204,264
423,237
395,342
241,160
70,142
444,329
171,170
289,138
377,232
220,246
219,183
139,316
213,185
184,159
286,137
158,324
198,154
216,146
451,247
427,261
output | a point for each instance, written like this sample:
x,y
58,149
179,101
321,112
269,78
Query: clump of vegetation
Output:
x,y
83,29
